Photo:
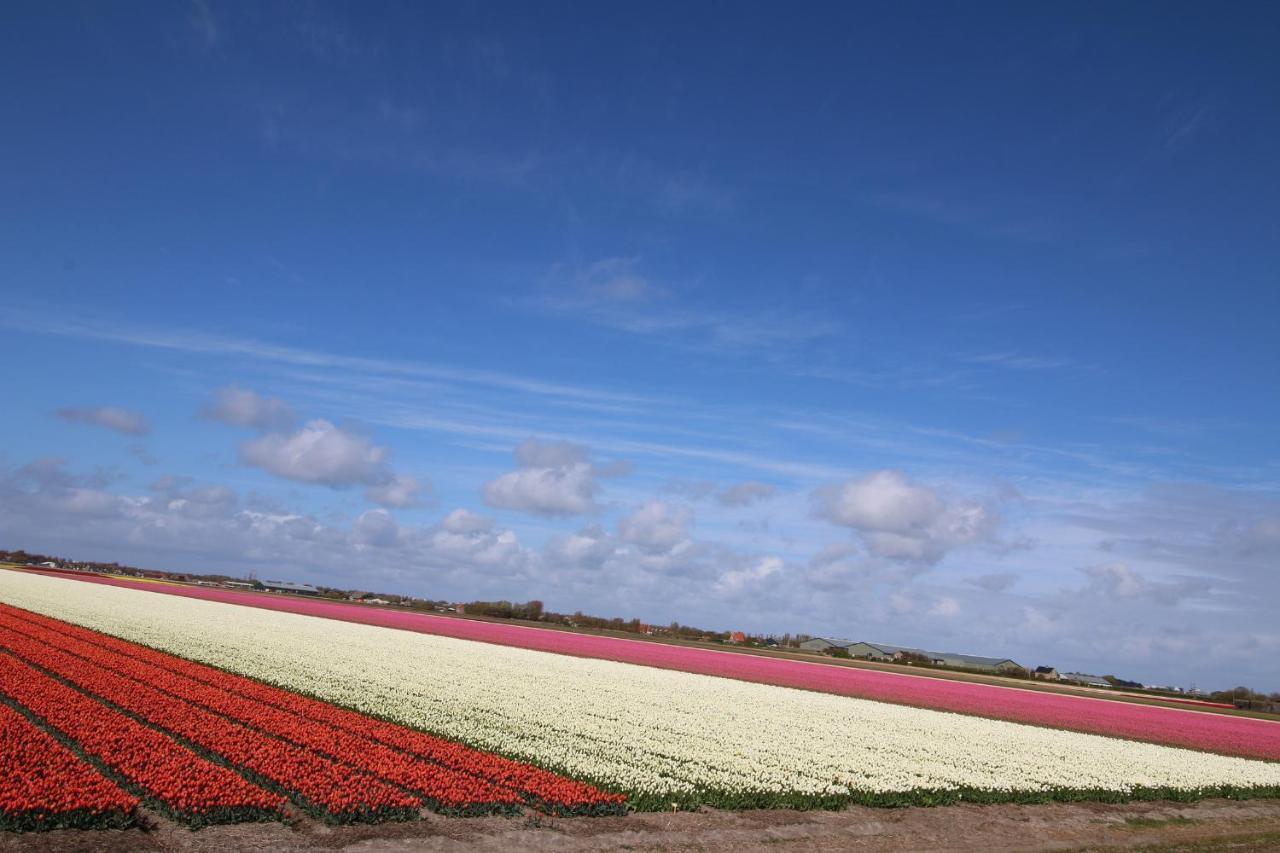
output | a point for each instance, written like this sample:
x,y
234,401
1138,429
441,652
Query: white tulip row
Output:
x,y
649,732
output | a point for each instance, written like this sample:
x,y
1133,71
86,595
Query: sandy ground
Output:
x,y
1208,825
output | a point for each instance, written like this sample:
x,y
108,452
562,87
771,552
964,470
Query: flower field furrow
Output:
x,y
333,730
1228,735
172,778
658,735
448,790
45,786
323,786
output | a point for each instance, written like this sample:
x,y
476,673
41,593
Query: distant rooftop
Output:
x,y
296,587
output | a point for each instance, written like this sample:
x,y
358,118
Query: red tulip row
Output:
x,y
447,789
45,786
544,789
331,790
147,762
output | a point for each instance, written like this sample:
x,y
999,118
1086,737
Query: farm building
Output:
x,y
287,586
1086,680
888,653
822,644
737,637
1046,673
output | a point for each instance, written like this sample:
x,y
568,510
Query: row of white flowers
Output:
x,y
642,730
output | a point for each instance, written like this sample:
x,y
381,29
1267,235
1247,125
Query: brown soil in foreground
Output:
x,y
1204,826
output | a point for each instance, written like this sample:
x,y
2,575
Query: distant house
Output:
x,y
47,564
737,637
289,587
1047,673
374,601
1085,679
238,584
644,629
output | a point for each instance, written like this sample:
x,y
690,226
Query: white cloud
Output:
x,y
375,527
120,420
484,547
465,521
319,453
656,527
244,408
900,520
746,493
1119,581
590,548
554,479
400,491
743,580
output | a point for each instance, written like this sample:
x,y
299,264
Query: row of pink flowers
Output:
x,y
1231,735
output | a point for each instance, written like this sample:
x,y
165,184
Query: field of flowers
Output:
x,y
45,786
1240,736
381,704
92,725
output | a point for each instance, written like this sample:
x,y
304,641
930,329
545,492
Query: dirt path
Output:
x,y
1204,826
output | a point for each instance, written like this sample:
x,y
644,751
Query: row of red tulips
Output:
x,y
444,789
145,761
541,788
329,789
46,786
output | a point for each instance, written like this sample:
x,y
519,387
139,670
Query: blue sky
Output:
x,y
949,327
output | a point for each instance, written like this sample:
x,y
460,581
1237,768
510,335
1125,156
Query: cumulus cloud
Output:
x,y
375,527
747,578
398,492
244,408
1119,581
123,421
589,548
746,493
656,527
323,454
466,521
44,506
897,519
554,478
472,540
318,453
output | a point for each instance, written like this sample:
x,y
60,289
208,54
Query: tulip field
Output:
x,y
114,698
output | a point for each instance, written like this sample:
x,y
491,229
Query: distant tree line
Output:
x,y
1243,693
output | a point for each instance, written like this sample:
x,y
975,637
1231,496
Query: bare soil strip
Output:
x,y
1203,826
